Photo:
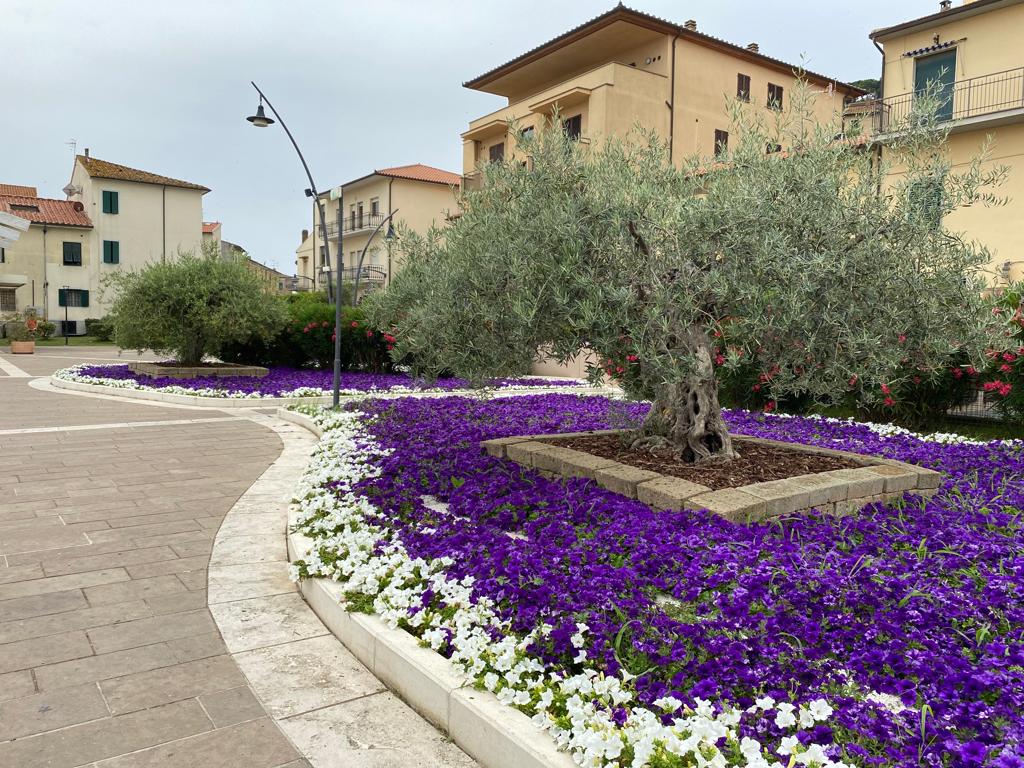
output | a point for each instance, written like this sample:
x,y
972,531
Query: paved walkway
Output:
x,y
109,656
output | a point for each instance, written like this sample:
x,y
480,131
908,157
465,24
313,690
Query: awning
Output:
x,y
934,48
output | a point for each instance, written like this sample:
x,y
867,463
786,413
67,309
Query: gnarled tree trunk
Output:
x,y
685,417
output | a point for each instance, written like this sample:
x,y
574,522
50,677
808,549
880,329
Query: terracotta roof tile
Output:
x,y
420,172
209,227
17,189
101,169
41,210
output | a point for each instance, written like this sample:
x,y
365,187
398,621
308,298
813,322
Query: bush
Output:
x,y
191,306
17,331
306,339
1005,372
101,329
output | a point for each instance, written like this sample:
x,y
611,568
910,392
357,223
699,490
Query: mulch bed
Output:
x,y
757,463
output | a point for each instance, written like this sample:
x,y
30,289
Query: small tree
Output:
x,y
191,306
813,262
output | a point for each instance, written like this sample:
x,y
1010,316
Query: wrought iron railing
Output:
x,y
301,283
961,100
369,274
355,222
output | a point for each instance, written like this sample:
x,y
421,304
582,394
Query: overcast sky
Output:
x,y
164,86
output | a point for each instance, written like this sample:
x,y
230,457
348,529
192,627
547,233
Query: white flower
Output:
x,y
785,718
820,710
788,744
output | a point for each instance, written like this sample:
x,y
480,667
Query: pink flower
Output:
x,y
885,389
902,338
1005,368
889,402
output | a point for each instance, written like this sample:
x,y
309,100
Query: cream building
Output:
x,y
47,270
626,68
212,234
418,196
967,52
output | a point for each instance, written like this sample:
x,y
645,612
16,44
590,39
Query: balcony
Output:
x,y
354,223
995,97
369,274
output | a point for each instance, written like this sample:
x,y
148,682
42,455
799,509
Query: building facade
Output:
x,y
962,56
625,69
418,196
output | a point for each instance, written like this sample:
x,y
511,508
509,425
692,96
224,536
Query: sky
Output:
x,y
164,86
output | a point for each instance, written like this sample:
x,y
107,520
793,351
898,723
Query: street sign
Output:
x,y
336,193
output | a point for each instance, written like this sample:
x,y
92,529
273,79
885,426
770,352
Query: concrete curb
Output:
x,y
269,402
497,736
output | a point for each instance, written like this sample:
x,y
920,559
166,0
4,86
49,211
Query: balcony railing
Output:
x,y
369,274
961,100
301,283
355,222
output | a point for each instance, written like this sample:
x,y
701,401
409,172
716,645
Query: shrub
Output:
x,y
100,328
1005,372
191,306
17,331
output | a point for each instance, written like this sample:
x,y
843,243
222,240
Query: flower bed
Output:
x,y
282,382
645,638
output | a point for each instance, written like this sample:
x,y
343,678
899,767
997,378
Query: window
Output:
x,y
360,214
7,302
721,142
323,256
72,254
743,87
573,127
72,297
527,132
771,148
109,201
926,200
774,96
936,76
24,207
111,252
497,152
374,207
3,255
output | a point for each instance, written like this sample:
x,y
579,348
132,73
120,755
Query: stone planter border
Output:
x,y
839,491
157,370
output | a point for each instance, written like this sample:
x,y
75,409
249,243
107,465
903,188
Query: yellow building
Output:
x,y
626,68
971,54
418,196
47,269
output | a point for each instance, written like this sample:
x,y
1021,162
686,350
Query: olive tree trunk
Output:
x,y
685,416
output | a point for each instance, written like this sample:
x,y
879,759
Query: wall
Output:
x,y
39,255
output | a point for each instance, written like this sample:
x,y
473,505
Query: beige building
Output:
x,y
47,269
969,52
211,234
418,196
626,68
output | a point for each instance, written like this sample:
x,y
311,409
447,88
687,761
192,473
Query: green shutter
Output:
x,y
109,201
85,298
62,297
111,252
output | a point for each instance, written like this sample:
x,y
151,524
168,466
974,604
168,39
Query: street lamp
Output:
x,y
260,120
389,236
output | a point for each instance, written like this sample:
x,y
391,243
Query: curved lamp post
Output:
x,y
260,120
389,236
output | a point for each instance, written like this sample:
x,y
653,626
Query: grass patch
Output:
x,y
72,341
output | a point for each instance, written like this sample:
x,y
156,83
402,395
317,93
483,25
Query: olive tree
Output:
x,y
826,262
191,305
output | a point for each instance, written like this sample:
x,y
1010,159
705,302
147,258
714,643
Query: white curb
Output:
x,y
497,736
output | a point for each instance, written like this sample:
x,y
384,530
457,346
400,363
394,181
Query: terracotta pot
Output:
x,y
22,347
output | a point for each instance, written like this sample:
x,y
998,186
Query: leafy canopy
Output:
x,y
820,261
191,306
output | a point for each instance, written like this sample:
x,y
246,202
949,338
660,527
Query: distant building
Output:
x,y
211,233
421,195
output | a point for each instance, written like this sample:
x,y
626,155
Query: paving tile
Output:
x,y
90,561
109,737
62,583
14,685
197,647
254,744
166,684
21,573
235,705
241,550
372,732
69,620
136,589
40,540
262,621
178,565
49,710
104,666
236,582
40,605
24,654
177,602
194,580
306,674
130,634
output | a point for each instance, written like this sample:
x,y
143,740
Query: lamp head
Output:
x,y
260,119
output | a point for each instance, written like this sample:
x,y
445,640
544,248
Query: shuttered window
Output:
x,y
775,94
72,254
743,87
109,201
111,252
72,297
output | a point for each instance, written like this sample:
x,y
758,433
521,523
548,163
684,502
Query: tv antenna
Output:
x,y
73,144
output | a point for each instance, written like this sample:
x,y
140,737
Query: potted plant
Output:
x,y
22,334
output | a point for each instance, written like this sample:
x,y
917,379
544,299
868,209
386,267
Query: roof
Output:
x,y
209,227
17,189
415,172
41,210
622,13
932,48
101,169
936,19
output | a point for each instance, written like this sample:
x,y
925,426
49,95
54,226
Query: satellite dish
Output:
x,y
71,189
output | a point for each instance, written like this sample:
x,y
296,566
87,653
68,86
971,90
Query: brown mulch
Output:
x,y
757,462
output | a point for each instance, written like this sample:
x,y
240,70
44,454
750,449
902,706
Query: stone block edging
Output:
x,y
495,735
180,372
838,491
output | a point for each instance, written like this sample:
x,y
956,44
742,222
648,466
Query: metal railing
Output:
x,y
301,283
370,274
355,222
961,100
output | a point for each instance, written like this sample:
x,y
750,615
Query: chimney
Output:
x,y
754,47
945,5
691,25
86,151
305,234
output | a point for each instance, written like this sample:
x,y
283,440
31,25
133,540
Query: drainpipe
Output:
x,y
163,218
391,212
46,279
672,103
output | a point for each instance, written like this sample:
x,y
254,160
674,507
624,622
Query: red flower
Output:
x,y
769,406
632,358
1005,368
902,338
889,402
885,389
355,324
853,381
756,387
369,334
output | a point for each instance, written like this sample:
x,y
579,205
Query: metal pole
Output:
x,y
359,269
327,245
